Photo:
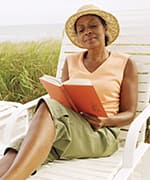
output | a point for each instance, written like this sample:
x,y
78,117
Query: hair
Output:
x,y
103,23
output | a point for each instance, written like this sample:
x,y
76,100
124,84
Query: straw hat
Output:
x,y
111,21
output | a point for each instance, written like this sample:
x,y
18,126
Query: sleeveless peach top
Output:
x,y
107,78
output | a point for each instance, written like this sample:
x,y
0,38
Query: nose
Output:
x,y
88,31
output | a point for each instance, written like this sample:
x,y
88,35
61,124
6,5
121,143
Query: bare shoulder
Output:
x,y
65,75
131,65
74,55
131,69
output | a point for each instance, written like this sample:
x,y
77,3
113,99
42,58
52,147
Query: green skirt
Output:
x,y
75,138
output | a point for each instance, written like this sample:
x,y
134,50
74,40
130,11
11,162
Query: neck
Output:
x,y
99,55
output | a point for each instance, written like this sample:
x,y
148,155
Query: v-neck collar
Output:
x,y
99,67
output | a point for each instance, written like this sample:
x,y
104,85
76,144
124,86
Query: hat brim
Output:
x,y
111,21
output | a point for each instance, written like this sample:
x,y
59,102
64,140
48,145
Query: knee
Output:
x,y
10,153
43,109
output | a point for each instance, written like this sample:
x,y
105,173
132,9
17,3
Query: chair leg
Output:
x,y
145,165
147,132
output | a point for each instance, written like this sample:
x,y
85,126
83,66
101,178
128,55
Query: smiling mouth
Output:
x,y
88,40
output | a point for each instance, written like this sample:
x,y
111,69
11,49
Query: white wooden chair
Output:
x,y
131,161
7,114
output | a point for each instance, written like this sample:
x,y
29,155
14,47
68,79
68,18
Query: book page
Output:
x,y
51,79
78,82
56,91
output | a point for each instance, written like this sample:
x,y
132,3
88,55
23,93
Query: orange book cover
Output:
x,y
78,94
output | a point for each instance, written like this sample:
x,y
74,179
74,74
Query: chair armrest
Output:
x,y
15,115
132,137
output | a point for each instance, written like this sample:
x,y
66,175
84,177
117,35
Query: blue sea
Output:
x,y
34,32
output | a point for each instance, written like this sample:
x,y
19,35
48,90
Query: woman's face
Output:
x,y
90,31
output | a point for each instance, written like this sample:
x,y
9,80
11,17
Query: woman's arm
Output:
x,y
65,74
128,101
128,97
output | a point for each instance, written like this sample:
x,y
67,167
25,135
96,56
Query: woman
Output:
x,y
58,132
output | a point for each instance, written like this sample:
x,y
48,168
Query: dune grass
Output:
x,y
21,65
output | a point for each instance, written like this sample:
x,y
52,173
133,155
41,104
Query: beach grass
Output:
x,y
21,65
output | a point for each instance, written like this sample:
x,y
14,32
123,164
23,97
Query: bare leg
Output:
x,y
35,146
7,161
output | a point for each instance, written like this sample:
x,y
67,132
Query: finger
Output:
x,y
89,116
93,121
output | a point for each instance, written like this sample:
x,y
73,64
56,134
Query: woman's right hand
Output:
x,y
95,122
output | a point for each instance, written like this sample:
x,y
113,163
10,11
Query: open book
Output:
x,y
78,94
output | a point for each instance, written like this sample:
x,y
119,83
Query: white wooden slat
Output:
x,y
137,33
6,110
3,107
142,67
82,169
2,126
142,58
68,48
131,27
20,128
143,87
133,39
141,106
127,39
9,103
131,48
143,97
125,47
134,28
139,58
143,78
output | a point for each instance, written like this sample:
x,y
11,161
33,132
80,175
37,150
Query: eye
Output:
x,y
93,26
80,30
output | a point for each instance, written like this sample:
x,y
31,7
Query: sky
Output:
x,y
14,12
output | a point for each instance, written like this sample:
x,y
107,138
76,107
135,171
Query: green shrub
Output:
x,y
21,65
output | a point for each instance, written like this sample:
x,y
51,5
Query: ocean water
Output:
x,y
35,32
132,23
